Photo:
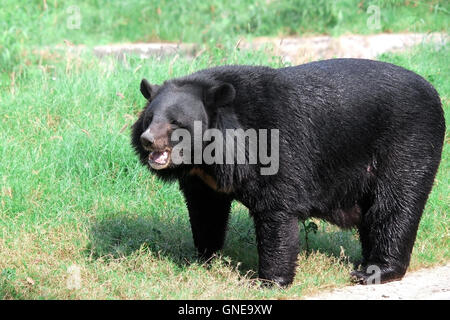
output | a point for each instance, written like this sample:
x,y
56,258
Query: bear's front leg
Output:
x,y
278,246
208,214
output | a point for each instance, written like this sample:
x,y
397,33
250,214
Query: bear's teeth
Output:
x,y
159,157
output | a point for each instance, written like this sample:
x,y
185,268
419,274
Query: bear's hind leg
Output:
x,y
388,229
366,247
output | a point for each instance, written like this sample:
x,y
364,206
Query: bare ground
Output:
x,y
425,284
295,50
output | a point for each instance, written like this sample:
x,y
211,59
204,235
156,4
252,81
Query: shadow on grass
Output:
x,y
343,245
123,234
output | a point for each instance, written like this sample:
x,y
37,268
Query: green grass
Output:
x,y
72,192
210,22
104,21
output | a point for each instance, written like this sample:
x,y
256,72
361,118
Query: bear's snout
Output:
x,y
155,140
156,137
147,140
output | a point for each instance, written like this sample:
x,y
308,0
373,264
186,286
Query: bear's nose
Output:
x,y
147,139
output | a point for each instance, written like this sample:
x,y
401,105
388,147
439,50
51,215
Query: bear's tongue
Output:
x,y
159,157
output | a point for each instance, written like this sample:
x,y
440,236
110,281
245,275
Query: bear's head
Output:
x,y
177,104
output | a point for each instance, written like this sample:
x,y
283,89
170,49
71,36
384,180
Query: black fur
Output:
x,y
360,144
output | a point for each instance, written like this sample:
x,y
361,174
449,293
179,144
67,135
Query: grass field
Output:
x,y
49,22
102,21
81,219
73,196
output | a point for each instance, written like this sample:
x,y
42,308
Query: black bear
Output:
x,y
358,144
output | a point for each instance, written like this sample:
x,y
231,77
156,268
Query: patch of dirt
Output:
x,y
426,284
298,50
147,50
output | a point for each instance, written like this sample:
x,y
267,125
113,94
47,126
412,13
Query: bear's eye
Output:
x,y
175,123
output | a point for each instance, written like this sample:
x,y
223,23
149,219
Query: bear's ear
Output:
x,y
148,90
220,95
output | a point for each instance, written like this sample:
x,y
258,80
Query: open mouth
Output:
x,y
159,159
